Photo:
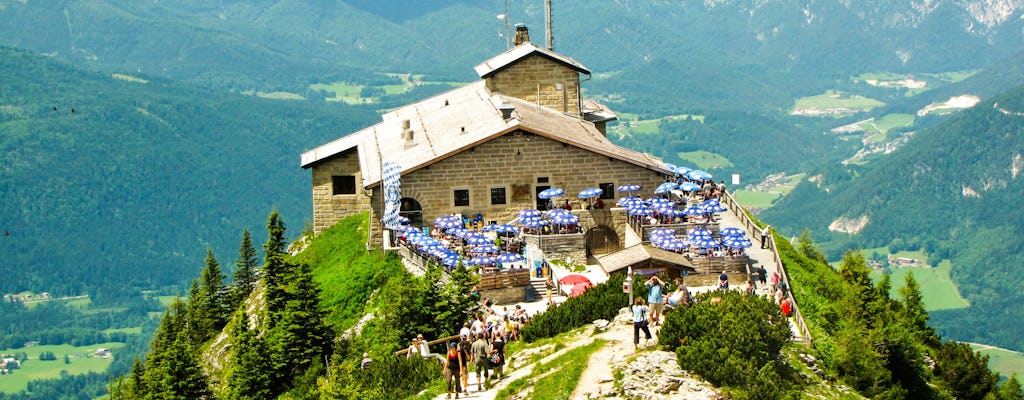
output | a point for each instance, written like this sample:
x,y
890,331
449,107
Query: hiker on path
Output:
x,y
451,370
655,288
480,360
497,356
640,311
467,355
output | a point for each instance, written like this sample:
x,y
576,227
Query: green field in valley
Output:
x,y
836,99
705,160
888,122
1005,362
352,93
630,124
83,360
937,288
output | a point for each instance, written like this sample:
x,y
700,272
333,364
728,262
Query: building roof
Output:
x,y
504,60
639,253
451,122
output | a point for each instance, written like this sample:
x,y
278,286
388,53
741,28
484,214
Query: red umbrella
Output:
x,y
579,289
573,279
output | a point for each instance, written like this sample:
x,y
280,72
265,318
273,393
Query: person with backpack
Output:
x,y
453,361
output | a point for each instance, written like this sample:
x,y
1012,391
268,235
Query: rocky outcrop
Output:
x,y
656,375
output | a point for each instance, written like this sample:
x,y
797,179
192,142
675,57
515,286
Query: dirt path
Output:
x,y
598,378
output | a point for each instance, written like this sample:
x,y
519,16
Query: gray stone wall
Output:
x,y
515,162
536,79
329,208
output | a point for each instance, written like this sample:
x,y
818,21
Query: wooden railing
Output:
x,y
504,279
751,227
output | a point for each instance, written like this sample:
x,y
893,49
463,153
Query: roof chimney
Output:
x,y
522,35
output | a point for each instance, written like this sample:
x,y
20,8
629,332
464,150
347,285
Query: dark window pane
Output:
x,y
542,179
607,190
498,196
345,184
461,197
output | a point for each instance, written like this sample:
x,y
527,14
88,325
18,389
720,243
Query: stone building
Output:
x,y
486,148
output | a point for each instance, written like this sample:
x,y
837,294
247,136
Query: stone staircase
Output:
x,y
536,290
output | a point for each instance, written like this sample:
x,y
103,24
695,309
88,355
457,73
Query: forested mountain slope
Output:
x,y
111,185
953,191
751,52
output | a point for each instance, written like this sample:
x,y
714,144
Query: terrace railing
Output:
x,y
750,226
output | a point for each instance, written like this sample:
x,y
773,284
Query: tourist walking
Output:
x,y
497,356
764,236
467,355
480,360
453,361
640,312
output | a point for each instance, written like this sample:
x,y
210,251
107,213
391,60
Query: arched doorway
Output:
x,y
412,210
602,239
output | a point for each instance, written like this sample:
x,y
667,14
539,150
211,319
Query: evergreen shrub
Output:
x,y
599,302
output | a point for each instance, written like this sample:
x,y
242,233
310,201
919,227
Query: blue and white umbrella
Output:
x,y
673,244
737,242
550,193
451,261
510,257
628,201
529,212
693,210
556,211
733,232
534,222
666,187
483,249
505,228
629,187
590,193
670,167
639,211
662,232
689,187
479,240
681,170
698,175
695,234
448,222
565,219
714,208
706,243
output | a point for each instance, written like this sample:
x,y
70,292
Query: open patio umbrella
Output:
x,y
732,231
477,240
551,193
534,222
505,228
737,242
485,249
695,234
662,232
640,211
706,243
565,219
666,187
629,188
628,201
689,187
448,222
681,170
556,211
528,212
590,193
573,279
510,257
693,210
579,288
698,175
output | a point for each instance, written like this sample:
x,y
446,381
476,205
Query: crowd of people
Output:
x,y
480,348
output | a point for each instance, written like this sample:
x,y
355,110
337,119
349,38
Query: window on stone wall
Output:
x,y
498,196
607,190
343,184
461,197
542,179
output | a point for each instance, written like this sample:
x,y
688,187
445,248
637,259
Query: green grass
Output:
x,y
837,99
888,122
755,199
630,124
135,330
937,288
1005,362
562,375
705,160
82,361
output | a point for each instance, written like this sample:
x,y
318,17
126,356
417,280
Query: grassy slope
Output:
x,y
346,272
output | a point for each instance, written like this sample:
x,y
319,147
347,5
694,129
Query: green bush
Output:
x,y
728,338
388,377
599,302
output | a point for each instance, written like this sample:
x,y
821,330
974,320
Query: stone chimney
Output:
x,y
522,35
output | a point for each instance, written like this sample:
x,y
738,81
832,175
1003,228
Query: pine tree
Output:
x,y
213,302
914,313
275,270
245,270
173,322
964,371
250,366
181,377
301,336
1010,390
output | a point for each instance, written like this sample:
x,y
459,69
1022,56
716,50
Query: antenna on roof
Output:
x,y
508,29
547,21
